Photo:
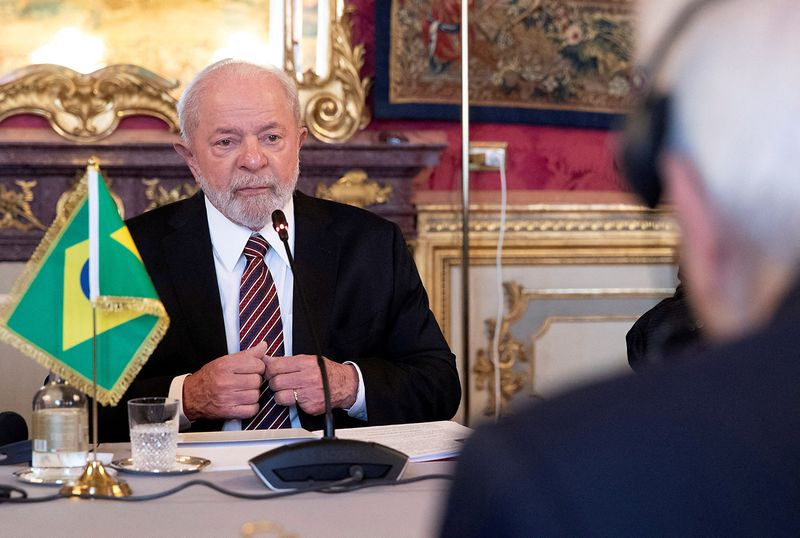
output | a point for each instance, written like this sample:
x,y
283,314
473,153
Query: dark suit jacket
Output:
x,y
709,446
363,290
664,332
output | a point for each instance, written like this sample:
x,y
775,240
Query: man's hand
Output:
x,y
300,374
227,387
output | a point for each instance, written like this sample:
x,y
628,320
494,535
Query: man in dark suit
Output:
x,y
708,445
664,332
386,358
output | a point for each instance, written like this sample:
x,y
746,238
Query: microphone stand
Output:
x,y
328,459
283,233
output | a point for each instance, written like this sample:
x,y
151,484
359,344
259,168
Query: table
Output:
x,y
386,511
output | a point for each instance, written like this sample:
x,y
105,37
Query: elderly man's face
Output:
x,y
244,151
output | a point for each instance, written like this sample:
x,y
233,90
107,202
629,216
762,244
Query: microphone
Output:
x,y
12,428
328,459
282,227
14,444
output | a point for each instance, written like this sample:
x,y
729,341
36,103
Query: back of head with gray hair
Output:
x,y
735,112
189,103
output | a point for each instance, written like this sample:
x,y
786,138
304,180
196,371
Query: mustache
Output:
x,y
249,181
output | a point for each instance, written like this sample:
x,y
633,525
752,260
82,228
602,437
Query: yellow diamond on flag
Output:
x,y
123,237
77,307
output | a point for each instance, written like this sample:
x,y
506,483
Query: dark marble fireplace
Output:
x,y
375,170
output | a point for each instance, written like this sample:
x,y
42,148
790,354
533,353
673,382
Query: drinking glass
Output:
x,y
154,433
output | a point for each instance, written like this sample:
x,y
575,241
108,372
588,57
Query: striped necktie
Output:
x,y
260,320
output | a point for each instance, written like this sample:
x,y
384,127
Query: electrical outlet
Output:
x,y
487,156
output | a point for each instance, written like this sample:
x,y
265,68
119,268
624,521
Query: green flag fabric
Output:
x,y
48,314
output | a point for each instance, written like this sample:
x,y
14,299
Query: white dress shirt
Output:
x,y
228,240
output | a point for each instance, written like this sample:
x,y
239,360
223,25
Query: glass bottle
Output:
x,y
60,430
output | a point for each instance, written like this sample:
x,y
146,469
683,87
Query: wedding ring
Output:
x,y
294,391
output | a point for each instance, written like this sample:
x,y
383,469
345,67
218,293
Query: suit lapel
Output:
x,y
190,259
317,261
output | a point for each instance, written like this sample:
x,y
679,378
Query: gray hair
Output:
x,y
189,103
736,115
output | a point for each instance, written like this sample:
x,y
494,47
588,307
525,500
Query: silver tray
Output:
x,y
29,476
183,465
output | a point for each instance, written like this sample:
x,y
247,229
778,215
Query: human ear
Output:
x,y
301,137
186,153
704,249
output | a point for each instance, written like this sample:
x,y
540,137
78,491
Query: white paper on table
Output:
x,y
231,450
244,436
421,441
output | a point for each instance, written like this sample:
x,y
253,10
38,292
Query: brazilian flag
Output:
x,y
48,315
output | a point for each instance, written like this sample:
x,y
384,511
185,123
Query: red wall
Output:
x,y
538,158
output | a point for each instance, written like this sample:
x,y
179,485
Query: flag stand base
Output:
x,y
96,482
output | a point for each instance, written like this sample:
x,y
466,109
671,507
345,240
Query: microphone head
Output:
x,y
12,428
280,225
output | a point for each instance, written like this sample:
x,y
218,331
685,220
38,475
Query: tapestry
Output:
x,y
544,61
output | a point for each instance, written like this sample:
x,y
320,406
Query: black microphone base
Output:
x,y
324,461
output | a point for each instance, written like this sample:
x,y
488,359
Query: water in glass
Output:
x,y
153,446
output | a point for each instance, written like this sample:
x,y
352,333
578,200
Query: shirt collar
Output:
x,y
228,238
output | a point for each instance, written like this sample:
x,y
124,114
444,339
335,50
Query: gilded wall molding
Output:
x,y
65,196
548,229
538,234
158,195
336,108
356,189
550,218
87,107
518,359
514,360
15,207
557,225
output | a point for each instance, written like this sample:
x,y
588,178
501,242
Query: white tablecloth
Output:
x,y
407,510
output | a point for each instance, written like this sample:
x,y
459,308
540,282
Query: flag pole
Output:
x,y
94,382
95,481
94,285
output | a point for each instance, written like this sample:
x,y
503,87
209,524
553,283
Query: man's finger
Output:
x,y
245,382
292,380
247,397
258,350
275,365
284,397
244,411
245,364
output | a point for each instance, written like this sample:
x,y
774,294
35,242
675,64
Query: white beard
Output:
x,y
253,212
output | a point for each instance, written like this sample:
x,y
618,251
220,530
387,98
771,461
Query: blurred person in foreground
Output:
x,y
239,353
710,445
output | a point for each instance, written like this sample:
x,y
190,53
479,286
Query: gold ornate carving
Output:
x,y
538,233
518,363
585,223
337,109
86,108
158,195
62,200
512,353
15,207
356,189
